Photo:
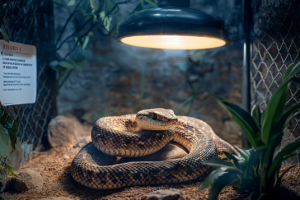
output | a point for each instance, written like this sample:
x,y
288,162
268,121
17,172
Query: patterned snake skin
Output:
x,y
140,135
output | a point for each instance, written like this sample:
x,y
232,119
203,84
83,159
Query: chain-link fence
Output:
x,y
31,22
276,45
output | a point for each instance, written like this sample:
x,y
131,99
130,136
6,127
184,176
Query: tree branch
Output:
x,y
67,22
78,29
79,38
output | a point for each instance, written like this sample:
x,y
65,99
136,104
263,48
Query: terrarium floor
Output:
x,y
54,166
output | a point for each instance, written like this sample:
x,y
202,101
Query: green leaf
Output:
x,y
227,179
244,119
94,5
273,111
28,4
152,3
287,74
5,36
215,162
211,177
102,15
280,156
13,131
54,64
2,118
256,115
197,55
107,22
84,4
86,41
88,17
9,169
3,145
291,71
239,158
288,156
254,161
7,127
249,151
66,64
232,159
276,105
286,116
182,66
107,6
72,3
243,153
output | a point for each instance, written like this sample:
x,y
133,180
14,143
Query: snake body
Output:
x,y
140,135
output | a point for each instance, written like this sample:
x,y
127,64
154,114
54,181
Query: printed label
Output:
x,y
18,73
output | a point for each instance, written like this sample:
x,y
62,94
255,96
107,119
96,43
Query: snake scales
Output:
x,y
140,135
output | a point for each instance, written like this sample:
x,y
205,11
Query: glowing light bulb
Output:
x,y
173,42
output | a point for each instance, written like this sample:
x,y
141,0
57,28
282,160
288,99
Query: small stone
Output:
x,y
62,130
83,142
66,157
56,198
172,194
85,128
28,179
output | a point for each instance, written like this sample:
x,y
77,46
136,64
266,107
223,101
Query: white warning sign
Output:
x,y
18,73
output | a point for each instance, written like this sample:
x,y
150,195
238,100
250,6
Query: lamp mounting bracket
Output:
x,y
176,3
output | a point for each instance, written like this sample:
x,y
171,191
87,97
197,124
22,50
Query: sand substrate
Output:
x,y
54,166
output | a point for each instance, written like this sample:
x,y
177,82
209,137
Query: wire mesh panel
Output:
x,y
276,45
31,22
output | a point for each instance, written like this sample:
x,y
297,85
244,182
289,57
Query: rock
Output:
x,y
172,194
66,157
16,156
83,142
56,198
63,130
85,128
28,179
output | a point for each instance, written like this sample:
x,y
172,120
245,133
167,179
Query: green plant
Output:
x,y
257,170
64,68
8,131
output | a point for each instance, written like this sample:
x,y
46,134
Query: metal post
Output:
x,y
247,21
246,94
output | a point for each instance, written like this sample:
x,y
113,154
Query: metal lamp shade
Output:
x,y
170,27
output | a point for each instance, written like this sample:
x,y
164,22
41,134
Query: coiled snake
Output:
x,y
142,134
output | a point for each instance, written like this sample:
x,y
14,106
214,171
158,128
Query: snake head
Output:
x,y
156,119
